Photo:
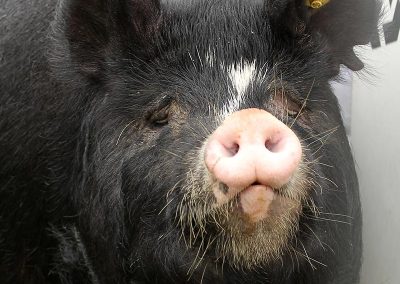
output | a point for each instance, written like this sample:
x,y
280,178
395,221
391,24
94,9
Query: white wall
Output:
x,y
375,138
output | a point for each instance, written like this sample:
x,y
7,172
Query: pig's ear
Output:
x,y
345,24
94,30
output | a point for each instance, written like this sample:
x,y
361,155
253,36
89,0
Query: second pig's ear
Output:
x,y
344,24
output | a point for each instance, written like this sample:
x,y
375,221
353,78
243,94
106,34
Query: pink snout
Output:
x,y
251,147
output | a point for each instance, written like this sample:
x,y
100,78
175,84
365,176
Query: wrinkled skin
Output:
x,y
106,108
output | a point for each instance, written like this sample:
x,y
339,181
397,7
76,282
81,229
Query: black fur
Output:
x,y
86,160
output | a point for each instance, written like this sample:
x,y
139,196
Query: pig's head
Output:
x,y
210,137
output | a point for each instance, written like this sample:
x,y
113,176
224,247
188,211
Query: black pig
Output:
x,y
177,141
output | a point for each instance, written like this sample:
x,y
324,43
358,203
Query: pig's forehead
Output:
x,y
212,11
187,4
209,10
221,28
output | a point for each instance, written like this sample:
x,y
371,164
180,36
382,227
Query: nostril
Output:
x,y
235,148
232,150
272,146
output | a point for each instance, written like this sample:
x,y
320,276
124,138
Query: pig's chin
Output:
x,y
251,229
258,228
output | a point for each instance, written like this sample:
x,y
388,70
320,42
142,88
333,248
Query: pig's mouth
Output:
x,y
249,229
256,202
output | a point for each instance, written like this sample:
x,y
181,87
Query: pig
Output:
x,y
168,141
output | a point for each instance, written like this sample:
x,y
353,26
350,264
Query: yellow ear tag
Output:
x,y
316,4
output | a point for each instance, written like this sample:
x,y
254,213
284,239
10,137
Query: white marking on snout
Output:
x,y
241,75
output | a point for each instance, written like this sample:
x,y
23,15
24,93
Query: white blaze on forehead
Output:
x,y
241,76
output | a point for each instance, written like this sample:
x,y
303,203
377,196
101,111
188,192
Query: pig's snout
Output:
x,y
251,147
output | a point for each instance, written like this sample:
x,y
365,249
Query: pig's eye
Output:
x,y
285,105
160,117
292,108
